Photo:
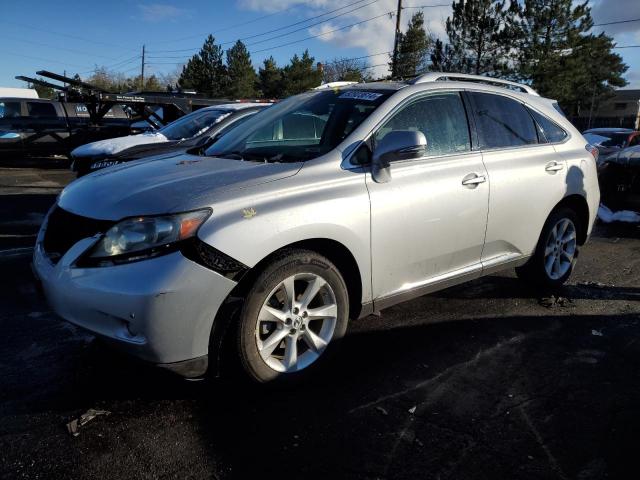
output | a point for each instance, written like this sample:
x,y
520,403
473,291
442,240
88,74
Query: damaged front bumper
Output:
x,y
160,310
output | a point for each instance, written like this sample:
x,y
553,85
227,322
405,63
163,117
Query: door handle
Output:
x,y
553,167
473,180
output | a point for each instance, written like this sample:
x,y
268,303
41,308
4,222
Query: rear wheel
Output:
x,y
293,317
556,252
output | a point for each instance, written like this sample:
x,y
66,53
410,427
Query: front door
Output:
x,y
428,223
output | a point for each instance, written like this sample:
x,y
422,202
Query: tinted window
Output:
x,y
442,119
548,131
37,109
193,124
9,109
502,122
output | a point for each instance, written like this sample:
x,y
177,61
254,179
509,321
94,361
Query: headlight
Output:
x,y
142,237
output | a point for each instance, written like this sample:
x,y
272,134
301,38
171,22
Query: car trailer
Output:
x,y
83,113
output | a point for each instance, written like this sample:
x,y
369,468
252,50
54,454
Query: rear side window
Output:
x,y
9,109
502,122
41,110
442,119
548,131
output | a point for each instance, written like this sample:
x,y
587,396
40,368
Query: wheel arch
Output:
x,y
333,250
579,205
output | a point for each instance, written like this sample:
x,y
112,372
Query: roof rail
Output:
x,y
464,77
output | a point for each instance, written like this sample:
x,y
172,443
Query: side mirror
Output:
x,y
396,145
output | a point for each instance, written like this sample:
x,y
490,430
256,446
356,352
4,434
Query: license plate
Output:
x,y
104,164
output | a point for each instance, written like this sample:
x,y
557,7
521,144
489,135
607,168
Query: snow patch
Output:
x,y
607,216
116,145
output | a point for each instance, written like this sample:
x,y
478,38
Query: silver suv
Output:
x,y
326,207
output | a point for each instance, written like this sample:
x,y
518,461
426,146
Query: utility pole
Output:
x,y
142,71
394,68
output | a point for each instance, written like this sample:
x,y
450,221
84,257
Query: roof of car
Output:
x,y
236,106
609,130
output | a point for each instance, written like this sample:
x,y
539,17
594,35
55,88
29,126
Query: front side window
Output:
x,y
502,122
548,131
9,109
193,124
41,110
301,127
440,117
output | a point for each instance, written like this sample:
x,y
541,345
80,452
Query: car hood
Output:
x,y
112,146
164,185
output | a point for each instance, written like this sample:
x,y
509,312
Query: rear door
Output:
x,y
527,176
46,128
428,223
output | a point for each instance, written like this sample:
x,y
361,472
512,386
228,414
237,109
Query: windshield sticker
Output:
x,y
368,96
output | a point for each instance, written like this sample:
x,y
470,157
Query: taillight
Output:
x,y
593,151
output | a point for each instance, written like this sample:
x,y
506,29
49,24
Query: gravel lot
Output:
x,y
486,380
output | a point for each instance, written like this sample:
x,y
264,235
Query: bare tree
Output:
x,y
345,69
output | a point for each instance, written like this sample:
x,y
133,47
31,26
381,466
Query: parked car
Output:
x,y
328,206
31,126
191,131
619,176
611,140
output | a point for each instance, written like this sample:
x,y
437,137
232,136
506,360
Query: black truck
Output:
x,y
30,126
84,113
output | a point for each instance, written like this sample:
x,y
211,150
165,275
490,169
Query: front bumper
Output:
x,y
160,310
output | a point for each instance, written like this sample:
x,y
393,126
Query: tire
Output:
x,y
274,337
540,270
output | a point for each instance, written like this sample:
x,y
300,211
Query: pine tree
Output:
x,y
560,58
477,36
270,79
442,57
413,49
205,72
242,77
300,75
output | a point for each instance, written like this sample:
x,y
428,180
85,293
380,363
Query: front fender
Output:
x,y
318,203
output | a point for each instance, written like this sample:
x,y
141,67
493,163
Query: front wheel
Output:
x,y
556,252
293,317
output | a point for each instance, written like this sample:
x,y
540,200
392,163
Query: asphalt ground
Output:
x,y
486,380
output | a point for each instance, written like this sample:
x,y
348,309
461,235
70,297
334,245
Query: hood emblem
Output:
x,y
249,213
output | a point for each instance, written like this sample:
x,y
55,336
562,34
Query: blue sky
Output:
x,y
77,35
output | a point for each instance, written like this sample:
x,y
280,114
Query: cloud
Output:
x,y
374,36
160,12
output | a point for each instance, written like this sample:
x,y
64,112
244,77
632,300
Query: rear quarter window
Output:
x,y
548,131
41,110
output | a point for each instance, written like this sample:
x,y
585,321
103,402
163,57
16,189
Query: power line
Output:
x,y
41,44
429,6
389,13
52,32
616,22
173,40
306,26
283,27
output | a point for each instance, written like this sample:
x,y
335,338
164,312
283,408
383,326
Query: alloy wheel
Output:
x,y
296,322
560,249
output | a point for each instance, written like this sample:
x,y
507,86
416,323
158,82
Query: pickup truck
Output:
x,y
30,126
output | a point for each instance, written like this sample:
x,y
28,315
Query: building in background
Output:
x,y
622,110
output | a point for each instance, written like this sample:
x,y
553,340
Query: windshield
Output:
x,y
615,139
193,124
301,127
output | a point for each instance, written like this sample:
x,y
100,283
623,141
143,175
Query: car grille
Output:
x,y
64,229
